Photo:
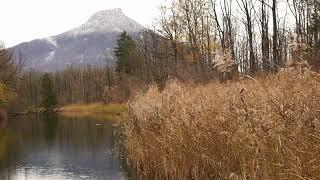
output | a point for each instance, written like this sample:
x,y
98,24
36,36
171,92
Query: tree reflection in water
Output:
x,y
53,147
8,150
50,127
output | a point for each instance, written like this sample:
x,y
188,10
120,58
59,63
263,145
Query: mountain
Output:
x,y
90,43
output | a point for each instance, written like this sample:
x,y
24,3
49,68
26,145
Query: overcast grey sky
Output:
x,y
25,20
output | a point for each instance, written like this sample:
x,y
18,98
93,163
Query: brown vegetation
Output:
x,y
253,129
114,112
10,67
79,86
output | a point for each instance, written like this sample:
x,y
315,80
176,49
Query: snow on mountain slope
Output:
x,y
90,43
106,21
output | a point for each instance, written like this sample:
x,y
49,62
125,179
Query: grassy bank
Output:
x,y
253,129
97,110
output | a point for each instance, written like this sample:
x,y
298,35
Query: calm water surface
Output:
x,y
56,148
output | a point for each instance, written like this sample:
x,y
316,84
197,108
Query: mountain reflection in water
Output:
x,y
52,147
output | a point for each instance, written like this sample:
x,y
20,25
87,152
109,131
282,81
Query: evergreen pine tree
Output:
x,y
124,53
47,94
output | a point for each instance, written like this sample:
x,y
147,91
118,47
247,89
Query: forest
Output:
x,y
217,89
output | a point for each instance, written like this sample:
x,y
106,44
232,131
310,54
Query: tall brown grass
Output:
x,y
112,111
265,128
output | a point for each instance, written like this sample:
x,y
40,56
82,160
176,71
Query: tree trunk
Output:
x,y
275,35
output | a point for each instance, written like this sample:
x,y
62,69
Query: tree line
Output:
x,y
75,85
256,34
205,39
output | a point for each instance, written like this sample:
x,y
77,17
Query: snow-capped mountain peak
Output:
x,y
90,43
101,15
112,20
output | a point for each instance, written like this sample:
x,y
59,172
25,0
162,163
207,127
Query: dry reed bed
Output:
x,y
253,129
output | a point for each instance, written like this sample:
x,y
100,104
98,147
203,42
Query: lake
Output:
x,y
51,147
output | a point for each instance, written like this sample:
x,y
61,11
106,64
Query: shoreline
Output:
x,y
111,111
92,110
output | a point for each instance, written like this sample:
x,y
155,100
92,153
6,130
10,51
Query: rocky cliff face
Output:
x,y
90,43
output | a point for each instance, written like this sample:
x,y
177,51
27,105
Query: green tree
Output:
x,y
128,57
48,96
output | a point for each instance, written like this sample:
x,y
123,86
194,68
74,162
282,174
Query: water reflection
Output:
x,y
51,147
51,124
